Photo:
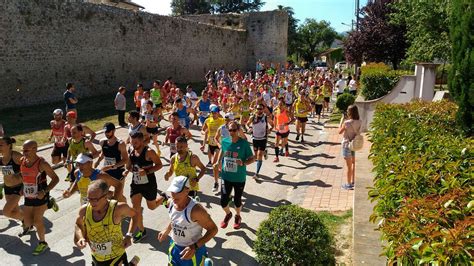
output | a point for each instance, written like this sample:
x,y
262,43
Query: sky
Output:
x,y
334,11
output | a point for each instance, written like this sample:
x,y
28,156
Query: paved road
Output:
x,y
282,183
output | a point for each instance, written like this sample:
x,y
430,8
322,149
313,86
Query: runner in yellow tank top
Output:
x,y
99,224
77,145
302,107
245,110
184,163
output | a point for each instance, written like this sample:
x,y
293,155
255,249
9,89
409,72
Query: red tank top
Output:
x,y
174,133
58,133
33,180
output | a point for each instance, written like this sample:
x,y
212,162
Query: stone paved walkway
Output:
x,y
330,197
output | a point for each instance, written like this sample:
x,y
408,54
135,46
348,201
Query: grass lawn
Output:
x,y
32,122
335,116
340,227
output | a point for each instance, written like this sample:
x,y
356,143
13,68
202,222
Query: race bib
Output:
x,y
139,179
103,249
6,171
108,161
281,127
30,190
212,141
173,148
230,165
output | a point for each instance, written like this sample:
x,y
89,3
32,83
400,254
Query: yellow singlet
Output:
x,y
105,236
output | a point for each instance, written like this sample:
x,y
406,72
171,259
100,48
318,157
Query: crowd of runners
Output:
x,y
236,113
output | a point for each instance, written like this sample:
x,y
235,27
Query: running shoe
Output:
x,y
297,136
25,231
40,248
347,186
197,199
237,221
226,220
287,153
139,236
165,199
68,177
1,192
135,260
215,187
52,204
302,139
276,160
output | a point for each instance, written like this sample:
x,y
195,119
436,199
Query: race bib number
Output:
x,y
173,148
212,141
6,171
108,161
178,232
139,179
103,249
30,190
230,165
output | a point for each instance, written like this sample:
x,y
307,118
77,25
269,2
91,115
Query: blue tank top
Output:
x,y
224,132
182,113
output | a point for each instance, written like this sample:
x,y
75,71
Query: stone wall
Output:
x,y
46,43
267,33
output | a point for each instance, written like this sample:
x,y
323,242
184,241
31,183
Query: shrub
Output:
x,y
423,183
293,235
377,80
344,100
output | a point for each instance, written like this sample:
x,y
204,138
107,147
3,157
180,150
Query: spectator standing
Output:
x,y
121,105
70,98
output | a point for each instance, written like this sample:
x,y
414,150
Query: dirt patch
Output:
x,y
343,243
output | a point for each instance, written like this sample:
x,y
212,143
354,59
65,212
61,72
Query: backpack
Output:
x,y
357,142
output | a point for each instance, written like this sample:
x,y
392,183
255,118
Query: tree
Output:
x,y
236,6
461,76
377,40
314,38
427,25
190,7
292,29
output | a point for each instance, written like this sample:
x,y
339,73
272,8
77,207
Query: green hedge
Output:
x,y
377,80
344,100
293,236
424,183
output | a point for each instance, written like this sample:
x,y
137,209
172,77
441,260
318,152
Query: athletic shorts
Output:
x,y
174,258
152,130
213,149
37,202
148,191
60,151
116,173
122,260
260,144
327,99
302,119
288,105
283,135
16,190
319,109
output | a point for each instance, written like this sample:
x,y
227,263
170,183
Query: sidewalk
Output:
x,y
330,170
367,242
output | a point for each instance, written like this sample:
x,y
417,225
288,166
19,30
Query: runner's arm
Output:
x,y
80,230
217,137
200,215
171,169
195,162
44,166
89,146
109,180
89,131
123,153
187,133
151,154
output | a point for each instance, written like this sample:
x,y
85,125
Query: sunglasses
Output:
x,y
96,199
